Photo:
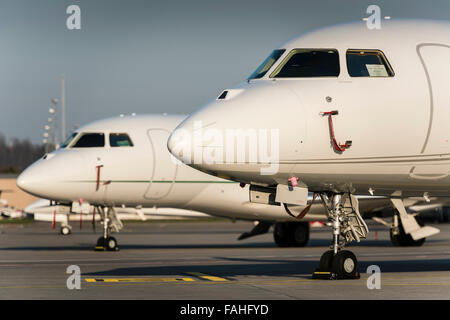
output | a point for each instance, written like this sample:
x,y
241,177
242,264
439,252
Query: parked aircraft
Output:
x,y
124,162
47,210
6,211
352,111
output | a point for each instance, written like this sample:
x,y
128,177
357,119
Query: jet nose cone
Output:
x,y
35,179
244,135
195,136
179,144
27,180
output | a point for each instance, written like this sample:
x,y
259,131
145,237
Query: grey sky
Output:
x,y
150,56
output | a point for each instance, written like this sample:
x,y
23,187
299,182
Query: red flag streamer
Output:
x,y
337,146
80,201
98,177
54,219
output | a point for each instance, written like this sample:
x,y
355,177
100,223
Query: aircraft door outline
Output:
x,y
163,176
434,142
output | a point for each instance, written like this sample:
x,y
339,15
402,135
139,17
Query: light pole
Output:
x,y
63,108
46,135
46,140
53,134
55,123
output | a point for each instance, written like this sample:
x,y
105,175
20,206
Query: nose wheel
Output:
x,y
65,230
342,265
348,226
106,244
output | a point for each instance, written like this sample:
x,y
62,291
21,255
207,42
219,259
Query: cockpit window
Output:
x,y
368,63
309,63
90,140
68,140
120,140
267,64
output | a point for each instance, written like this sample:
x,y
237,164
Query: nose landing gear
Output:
x,y
348,225
110,222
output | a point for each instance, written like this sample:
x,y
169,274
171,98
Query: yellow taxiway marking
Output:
x,y
109,282
321,283
207,277
138,280
322,272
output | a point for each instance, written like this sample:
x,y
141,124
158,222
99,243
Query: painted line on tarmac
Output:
x,y
274,282
305,282
34,287
207,277
156,279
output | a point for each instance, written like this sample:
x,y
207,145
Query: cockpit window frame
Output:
x,y
294,51
387,64
70,140
81,134
279,53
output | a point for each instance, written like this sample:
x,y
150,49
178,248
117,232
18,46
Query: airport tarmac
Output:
x,y
204,260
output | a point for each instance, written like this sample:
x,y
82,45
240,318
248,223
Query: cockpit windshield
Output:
x,y
68,140
267,64
309,63
90,140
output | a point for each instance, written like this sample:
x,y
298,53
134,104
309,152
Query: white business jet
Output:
x,y
352,111
124,162
142,179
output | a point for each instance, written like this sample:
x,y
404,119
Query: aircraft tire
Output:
x,y
300,234
345,265
65,231
291,234
281,235
111,244
326,260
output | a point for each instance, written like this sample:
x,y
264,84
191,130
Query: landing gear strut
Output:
x,y
66,228
348,225
110,223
